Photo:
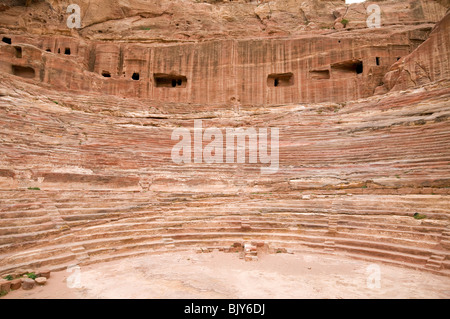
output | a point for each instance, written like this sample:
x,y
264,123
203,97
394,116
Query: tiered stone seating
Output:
x,y
349,182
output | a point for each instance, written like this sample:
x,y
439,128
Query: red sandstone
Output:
x,y
85,168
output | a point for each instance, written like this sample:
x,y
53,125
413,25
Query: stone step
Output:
x,y
329,245
438,258
434,263
31,236
39,263
433,266
445,243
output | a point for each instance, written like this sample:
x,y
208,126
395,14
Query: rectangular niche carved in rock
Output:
x,y
169,80
23,71
346,68
280,79
18,52
6,40
320,74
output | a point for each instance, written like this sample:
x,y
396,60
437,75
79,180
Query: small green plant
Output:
x,y
3,293
9,277
397,176
364,186
31,275
344,22
56,102
34,188
419,216
145,28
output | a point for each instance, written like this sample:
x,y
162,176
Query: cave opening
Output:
x,y
359,67
48,50
377,60
135,76
106,74
23,71
67,51
6,40
280,79
347,68
169,80
18,52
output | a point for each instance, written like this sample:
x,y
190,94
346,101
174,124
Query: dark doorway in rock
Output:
x,y
346,68
169,80
23,71
59,50
48,50
135,76
280,79
377,59
6,40
67,51
106,74
359,67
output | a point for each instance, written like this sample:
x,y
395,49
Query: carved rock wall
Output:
x,y
254,72
429,63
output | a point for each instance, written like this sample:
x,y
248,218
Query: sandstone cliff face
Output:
x,y
323,68
429,63
192,21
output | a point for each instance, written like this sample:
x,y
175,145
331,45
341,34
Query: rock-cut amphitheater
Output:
x,y
87,116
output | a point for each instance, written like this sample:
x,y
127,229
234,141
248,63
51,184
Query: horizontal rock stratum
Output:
x,y
86,122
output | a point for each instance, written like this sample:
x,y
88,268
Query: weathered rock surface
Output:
x,y
16,284
306,63
5,286
28,284
41,281
429,63
307,68
44,273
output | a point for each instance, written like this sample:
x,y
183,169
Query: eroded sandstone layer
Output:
x,y
86,119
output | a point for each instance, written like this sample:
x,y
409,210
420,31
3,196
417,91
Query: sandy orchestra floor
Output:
x,y
224,275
